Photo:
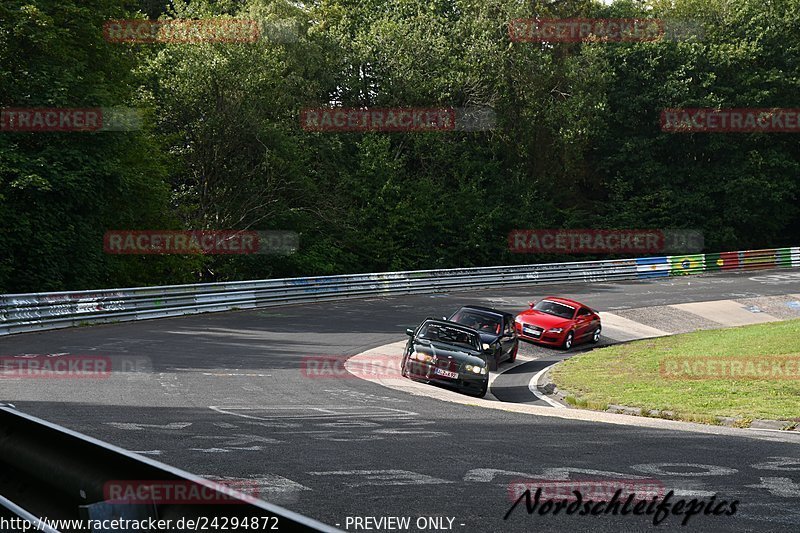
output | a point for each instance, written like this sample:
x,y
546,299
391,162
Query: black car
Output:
x,y
496,329
448,354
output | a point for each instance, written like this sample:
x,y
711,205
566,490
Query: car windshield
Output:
x,y
449,335
555,308
483,323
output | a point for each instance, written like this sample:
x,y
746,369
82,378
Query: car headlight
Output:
x,y
421,357
555,330
475,369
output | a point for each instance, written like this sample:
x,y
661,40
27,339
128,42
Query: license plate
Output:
x,y
446,373
531,331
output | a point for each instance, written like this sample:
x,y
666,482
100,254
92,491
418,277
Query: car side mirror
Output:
x,y
531,304
409,332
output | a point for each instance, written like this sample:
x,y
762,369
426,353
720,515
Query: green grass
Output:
x,y
629,374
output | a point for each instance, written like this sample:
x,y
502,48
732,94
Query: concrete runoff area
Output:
x,y
624,329
725,312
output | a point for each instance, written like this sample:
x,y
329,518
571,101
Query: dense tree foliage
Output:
x,y
576,144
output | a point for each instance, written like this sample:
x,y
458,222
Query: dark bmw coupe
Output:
x,y
448,354
496,329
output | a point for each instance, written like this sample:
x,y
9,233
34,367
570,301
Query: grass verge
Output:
x,y
632,375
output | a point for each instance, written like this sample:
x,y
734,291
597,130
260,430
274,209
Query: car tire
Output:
x,y
513,356
596,336
568,340
483,391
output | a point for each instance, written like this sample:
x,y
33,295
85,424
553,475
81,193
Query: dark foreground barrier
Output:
x,y
50,472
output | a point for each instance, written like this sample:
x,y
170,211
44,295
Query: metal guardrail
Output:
x,y
41,311
51,472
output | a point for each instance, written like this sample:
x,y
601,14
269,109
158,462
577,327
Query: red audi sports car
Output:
x,y
559,322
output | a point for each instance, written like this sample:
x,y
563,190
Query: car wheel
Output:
x,y
514,353
568,341
596,336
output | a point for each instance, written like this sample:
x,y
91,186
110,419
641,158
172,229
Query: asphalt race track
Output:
x,y
223,395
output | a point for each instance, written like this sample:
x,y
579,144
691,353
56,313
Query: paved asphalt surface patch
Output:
x,y
224,396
